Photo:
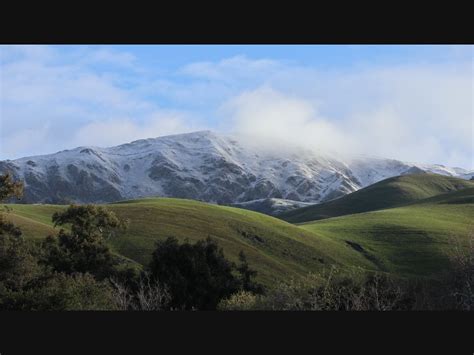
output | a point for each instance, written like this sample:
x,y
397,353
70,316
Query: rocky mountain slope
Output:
x,y
203,166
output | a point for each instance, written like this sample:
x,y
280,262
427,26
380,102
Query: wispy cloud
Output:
x,y
274,118
77,104
417,113
231,69
110,57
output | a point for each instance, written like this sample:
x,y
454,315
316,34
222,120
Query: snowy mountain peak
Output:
x,y
201,165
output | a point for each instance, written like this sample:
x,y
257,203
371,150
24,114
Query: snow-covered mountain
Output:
x,y
201,165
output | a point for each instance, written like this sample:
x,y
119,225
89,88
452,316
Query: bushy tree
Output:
x,y
27,284
28,274
18,265
82,248
198,275
89,222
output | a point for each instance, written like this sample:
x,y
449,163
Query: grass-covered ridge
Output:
x,y
407,241
276,249
412,240
387,193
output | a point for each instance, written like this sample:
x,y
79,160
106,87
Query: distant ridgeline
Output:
x,y
203,166
389,193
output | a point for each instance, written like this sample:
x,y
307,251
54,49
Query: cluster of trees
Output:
x,y
76,270
187,277
58,273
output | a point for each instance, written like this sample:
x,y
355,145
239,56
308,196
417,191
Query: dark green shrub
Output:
x,y
198,275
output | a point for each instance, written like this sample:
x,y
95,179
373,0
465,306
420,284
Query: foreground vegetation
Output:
x,y
332,291
76,270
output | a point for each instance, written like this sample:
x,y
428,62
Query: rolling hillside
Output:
x,y
413,240
276,249
388,193
409,241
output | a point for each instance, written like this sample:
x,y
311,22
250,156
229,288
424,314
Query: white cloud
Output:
x,y
418,111
73,101
272,117
103,55
415,116
230,69
122,130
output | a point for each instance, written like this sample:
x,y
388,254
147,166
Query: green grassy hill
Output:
x,y
409,241
33,220
276,249
388,193
413,240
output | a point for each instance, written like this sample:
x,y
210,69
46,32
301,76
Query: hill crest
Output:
x,y
388,193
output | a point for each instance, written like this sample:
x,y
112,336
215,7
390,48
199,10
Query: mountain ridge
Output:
x,y
202,166
389,193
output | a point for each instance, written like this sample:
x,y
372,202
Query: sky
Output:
x,y
413,103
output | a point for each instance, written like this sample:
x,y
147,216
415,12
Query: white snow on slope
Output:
x,y
203,165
